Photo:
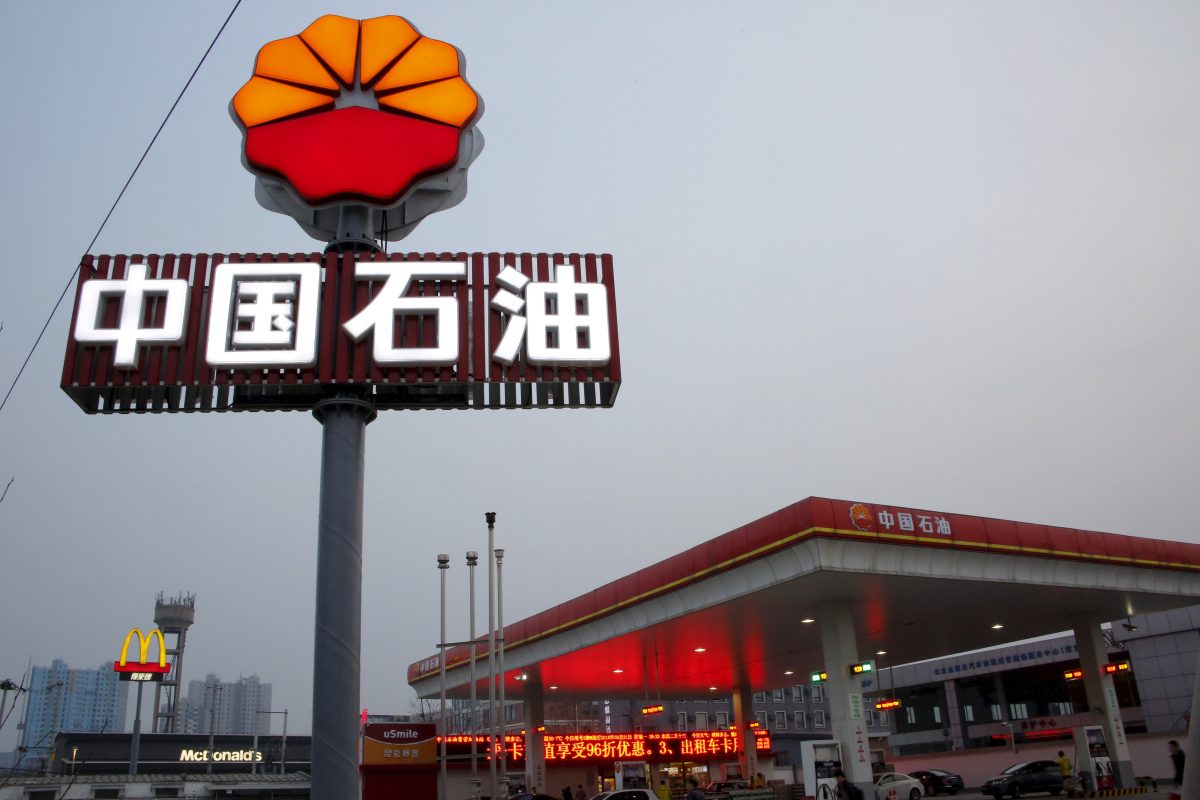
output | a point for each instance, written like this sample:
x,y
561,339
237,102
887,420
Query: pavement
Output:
x,y
1162,794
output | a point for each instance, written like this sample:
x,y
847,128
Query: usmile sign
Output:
x,y
357,130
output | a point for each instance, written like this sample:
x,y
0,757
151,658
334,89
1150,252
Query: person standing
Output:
x,y
1176,761
758,782
566,793
695,793
663,792
1064,765
845,789
580,794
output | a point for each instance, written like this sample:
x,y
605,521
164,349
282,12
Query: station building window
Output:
x,y
968,713
781,720
817,694
681,721
818,719
701,720
1018,711
722,720
937,714
777,695
996,715
760,697
761,718
910,714
798,694
801,720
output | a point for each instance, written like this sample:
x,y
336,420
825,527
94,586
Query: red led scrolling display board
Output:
x,y
245,332
600,748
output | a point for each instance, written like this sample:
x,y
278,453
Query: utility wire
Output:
x,y
121,194
10,483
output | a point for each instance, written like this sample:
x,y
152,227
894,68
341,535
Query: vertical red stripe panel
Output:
x,y
544,273
378,373
463,297
564,261
309,374
447,289
591,274
183,271
494,265
195,369
69,376
478,317
614,365
219,377
346,279
359,350
102,363
528,268
325,352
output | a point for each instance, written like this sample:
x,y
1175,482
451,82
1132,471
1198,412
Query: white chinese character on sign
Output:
x,y
508,300
886,520
906,521
565,322
264,315
134,290
925,523
943,525
381,313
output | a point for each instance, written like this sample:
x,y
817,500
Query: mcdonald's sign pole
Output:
x,y
142,672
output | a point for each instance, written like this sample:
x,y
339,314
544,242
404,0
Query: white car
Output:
x,y
898,786
626,794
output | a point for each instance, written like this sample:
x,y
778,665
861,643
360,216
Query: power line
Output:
x,y
120,194
10,483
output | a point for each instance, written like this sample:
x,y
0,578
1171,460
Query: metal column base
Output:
x,y
337,644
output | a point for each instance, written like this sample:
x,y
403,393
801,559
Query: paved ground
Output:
x,y
1161,794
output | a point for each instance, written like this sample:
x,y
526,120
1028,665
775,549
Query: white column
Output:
x,y
953,719
535,753
743,715
845,693
1102,695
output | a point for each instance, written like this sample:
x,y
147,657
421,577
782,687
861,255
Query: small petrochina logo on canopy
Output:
x,y
861,517
889,519
364,113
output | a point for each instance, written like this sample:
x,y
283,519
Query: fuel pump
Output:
x,y
632,775
1092,760
820,758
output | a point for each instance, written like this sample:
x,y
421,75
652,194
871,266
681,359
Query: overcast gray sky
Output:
x,y
936,254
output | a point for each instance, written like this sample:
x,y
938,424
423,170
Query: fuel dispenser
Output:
x,y
632,775
1092,761
820,757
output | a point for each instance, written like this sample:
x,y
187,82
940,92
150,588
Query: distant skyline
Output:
x,y
938,255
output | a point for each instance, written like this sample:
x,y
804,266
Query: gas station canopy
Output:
x,y
745,608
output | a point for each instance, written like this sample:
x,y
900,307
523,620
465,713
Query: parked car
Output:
x,y
528,796
897,786
625,794
1021,779
938,781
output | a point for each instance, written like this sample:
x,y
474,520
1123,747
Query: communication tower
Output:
x,y
173,616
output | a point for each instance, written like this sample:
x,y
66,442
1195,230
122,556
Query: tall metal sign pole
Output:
x,y
358,130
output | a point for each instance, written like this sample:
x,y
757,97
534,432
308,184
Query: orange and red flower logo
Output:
x,y
351,111
861,517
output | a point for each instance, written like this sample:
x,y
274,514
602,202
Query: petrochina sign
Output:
x,y
142,670
272,331
368,113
